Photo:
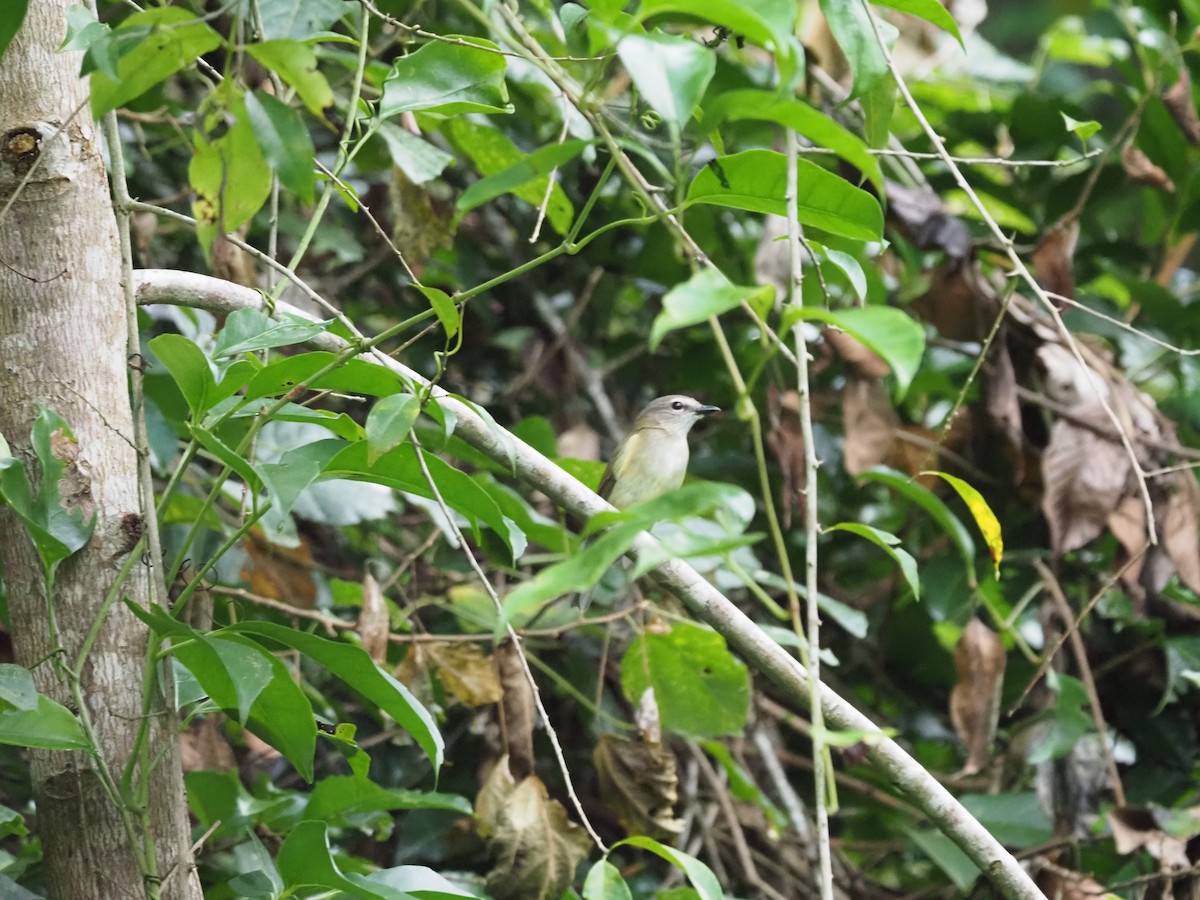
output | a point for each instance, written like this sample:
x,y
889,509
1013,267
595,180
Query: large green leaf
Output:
x,y
389,422
931,11
285,143
157,43
537,165
889,544
702,689
231,178
354,376
190,368
342,799
604,882
707,293
850,23
296,64
816,126
12,14
756,180
670,72
306,861
447,78
765,22
353,666
49,726
248,330
701,876
16,688
891,333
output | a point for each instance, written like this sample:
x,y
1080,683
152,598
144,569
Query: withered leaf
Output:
x,y
1178,100
1053,259
960,303
1141,170
1085,477
374,626
281,573
1139,829
1003,405
787,444
979,662
922,216
639,784
516,710
203,746
1179,531
870,424
535,845
467,672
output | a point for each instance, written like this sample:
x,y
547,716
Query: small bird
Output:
x,y
653,457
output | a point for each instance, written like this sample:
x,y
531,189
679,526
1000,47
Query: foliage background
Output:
x,y
1086,116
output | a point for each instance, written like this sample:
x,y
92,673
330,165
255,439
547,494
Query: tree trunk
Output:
x,y
62,346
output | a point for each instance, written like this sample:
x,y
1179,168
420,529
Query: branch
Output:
x,y
701,598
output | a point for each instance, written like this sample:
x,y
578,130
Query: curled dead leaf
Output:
x,y
1141,170
1085,476
535,846
1179,102
959,303
281,573
374,625
870,424
516,710
859,358
1053,259
787,444
1139,829
979,662
639,784
922,216
466,672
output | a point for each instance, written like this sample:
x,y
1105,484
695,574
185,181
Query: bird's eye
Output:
x,y
678,404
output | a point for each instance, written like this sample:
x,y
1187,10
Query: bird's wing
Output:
x,y
616,465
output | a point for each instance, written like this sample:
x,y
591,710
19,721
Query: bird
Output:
x,y
653,457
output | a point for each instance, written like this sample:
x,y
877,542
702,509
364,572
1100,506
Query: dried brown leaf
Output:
x,y
203,746
281,573
1053,259
374,625
492,797
787,444
1003,404
921,215
1085,476
535,845
869,422
960,304
467,672
1141,170
1066,885
516,710
1138,829
979,662
639,784
859,358
1178,100
1179,531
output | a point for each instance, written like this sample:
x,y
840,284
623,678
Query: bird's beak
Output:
x,y
707,410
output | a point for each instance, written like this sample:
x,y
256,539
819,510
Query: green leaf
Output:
x,y
299,18
231,179
49,726
765,22
190,369
1082,130
57,529
446,310
338,799
756,180
420,160
450,79
888,543
932,504
352,376
988,524
931,11
879,105
16,688
604,882
538,164
766,106
418,882
296,64
700,875
702,689
706,294
1016,819
670,72
492,152
285,143
353,666
227,455
12,14
850,23
401,470
891,333
946,854
304,861
389,422
166,39
249,330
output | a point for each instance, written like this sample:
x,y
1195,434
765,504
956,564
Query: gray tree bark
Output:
x,y
63,346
